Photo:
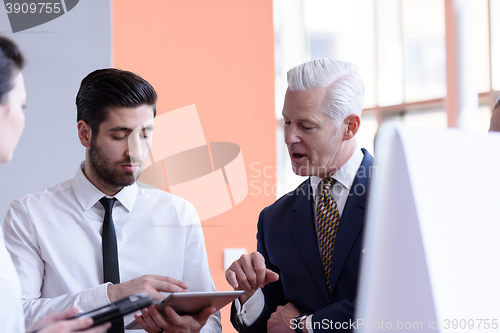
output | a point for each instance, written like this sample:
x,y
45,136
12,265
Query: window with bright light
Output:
x,y
400,47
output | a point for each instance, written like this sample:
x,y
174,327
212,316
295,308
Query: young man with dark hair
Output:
x,y
89,240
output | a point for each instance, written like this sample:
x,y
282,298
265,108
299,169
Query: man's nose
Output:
x,y
134,150
291,135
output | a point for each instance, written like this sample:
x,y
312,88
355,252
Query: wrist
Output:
x,y
243,298
112,292
300,323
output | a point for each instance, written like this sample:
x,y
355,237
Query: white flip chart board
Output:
x,y
432,237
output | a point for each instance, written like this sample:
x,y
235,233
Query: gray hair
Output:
x,y
344,83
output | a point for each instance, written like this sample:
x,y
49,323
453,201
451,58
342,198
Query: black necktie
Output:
x,y
110,253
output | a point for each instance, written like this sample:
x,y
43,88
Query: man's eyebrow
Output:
x,y
126,129
120,129
305,120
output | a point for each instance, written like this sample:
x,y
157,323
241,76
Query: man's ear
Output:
x,y
352,123
84,133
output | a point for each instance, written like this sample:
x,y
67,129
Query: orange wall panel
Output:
x,y
218,55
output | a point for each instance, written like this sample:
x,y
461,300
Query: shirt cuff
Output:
x,y
249,312
309,324
93,298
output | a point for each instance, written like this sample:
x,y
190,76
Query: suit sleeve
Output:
x,y
337,315
273,292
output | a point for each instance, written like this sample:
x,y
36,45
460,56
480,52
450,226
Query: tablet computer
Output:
x,y
193,302
118,309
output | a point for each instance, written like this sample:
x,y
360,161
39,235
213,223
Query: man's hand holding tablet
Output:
x,y
153,322
182,312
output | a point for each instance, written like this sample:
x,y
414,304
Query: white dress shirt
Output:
x,y
344,177
11,310
54,237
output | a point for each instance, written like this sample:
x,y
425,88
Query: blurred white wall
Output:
x,y
59,54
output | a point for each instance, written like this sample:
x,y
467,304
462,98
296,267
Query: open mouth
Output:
x,y
298,155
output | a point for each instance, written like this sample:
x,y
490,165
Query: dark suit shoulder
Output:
x,y
282,207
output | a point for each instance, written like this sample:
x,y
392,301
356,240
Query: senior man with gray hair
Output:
x,y
304,274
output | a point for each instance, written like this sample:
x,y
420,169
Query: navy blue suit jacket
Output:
x,y
287,240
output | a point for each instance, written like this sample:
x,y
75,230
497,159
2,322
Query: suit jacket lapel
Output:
x,y
352,219
302,226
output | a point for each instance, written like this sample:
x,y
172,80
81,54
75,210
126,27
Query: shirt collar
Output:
x,y
345,175
87,194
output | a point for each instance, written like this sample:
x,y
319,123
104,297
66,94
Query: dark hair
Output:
x,y
497,105
11,62
111,87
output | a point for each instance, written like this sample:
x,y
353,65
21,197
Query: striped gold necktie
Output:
x,y
327,221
